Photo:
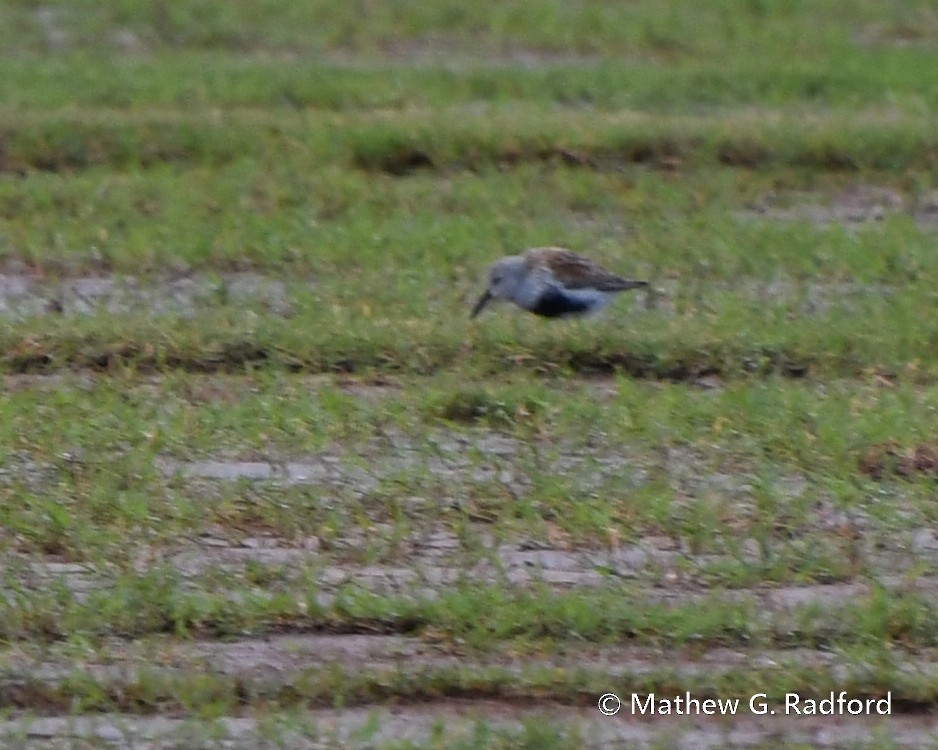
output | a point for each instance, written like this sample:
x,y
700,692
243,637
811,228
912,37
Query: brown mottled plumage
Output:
x,y
576,272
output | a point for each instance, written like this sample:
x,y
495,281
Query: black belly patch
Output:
x,y
555,304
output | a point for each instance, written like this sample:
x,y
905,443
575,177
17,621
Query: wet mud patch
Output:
x,y
466,721
28,295
392,499
653,570
481,457
289,665
281,658
439,50
890,459
854,207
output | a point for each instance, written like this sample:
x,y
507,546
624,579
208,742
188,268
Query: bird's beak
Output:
x,y
483,301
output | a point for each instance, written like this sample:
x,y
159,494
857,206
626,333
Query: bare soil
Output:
x,y
365,727
854,207
26,294
658,569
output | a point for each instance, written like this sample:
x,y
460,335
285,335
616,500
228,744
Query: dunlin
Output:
x,y
553,282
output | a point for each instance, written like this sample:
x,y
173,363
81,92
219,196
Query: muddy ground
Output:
x,y
424,565
419,724
429,561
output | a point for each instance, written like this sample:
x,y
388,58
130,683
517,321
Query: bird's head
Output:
x,y
505,277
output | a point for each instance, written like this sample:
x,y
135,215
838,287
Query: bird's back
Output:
x,y
574,271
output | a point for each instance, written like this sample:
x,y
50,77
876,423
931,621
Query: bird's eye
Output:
x,y
497,279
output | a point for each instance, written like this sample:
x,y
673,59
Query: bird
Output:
x,y
553,282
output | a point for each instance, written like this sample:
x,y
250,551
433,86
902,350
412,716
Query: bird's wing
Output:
x,y
576,272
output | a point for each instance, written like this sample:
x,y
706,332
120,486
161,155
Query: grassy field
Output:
x,y
263,483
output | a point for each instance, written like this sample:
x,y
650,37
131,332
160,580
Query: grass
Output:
x,y
158,691
242,398
92,482
459,138
718,319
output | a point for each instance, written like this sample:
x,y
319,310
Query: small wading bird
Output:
x,y
553,282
